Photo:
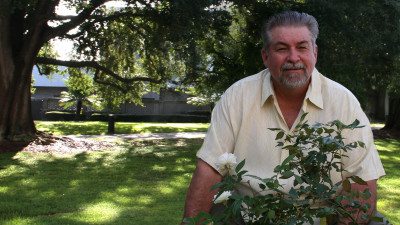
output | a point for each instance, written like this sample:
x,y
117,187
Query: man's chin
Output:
x,y
295,83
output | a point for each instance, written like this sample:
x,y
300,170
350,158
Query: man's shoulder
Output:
x,y
255,79
333,88
248,87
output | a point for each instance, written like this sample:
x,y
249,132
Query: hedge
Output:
x,y
62,116
175,118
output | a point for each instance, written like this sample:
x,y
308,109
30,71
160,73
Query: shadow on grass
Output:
x,y
145,183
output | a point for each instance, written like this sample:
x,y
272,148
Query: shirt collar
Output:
x,y
314,92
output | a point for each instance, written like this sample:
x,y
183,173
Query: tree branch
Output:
x,y
63,17
39,70
94,65
114,85
75,21
92,19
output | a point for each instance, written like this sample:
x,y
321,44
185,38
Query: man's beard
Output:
x,y
294,80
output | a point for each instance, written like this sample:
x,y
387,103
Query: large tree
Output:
x,y
359,45
144,42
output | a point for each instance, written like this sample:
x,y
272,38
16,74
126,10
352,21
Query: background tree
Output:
x,y
112,43
81,92
229,57
359,45
393,120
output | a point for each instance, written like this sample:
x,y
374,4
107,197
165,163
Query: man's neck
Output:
x,y
290,95
290,102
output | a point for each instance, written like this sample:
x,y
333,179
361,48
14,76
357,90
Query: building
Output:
x,y
167,102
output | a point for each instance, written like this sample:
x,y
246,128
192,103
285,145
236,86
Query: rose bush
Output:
x,y
315,151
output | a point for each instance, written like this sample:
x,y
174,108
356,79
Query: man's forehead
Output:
x,y
298,33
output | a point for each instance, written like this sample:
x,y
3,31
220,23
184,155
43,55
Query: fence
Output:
x,y
150,107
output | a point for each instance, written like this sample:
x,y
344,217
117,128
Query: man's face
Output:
x,y
290,57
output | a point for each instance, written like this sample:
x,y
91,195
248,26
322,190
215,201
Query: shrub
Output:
x,y
62,116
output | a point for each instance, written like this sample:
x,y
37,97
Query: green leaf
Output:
x,y
298,179
217,185
274,129
288,159
189,221
287,174
303,117
358,180
361,144
241,173
346,185
280,144
271,214
293,193
366,194
240,166
356,124
329,131
279,135
376,219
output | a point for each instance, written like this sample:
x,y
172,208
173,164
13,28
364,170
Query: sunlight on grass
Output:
x,y
159,168
99,213
145,200
126,186
100,128
166,190
388,191
4,189
17,220
129,185
377,125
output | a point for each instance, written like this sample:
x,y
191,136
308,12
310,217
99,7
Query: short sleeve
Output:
x,y
220,136
362,162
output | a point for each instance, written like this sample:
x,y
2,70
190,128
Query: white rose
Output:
x,y
226,164
223,197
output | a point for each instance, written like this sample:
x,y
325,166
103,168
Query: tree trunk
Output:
x,y
16,62
16,121
393,120
78,109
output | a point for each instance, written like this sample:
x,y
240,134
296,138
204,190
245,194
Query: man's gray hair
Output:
x,y
289,18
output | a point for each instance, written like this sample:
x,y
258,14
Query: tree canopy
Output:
x,y
127,48
358,46
205,45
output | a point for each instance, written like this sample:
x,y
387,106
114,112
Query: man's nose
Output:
x,y
293,56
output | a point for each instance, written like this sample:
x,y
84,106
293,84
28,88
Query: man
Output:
x,y
276,98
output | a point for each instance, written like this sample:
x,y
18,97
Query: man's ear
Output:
x,y
264,56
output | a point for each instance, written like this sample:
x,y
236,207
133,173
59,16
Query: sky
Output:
x,y
64,47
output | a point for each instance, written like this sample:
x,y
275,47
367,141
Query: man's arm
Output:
x,y
371,185
199,196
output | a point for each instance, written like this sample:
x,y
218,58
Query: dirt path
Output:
x,y
82,143
147,136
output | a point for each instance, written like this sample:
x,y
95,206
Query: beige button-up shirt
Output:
x,y
241,118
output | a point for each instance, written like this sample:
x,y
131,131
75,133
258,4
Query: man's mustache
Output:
x,y
293,66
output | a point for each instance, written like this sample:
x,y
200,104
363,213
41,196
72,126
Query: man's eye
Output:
x,y
281,49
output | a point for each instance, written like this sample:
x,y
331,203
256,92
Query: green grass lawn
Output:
x,y
388,186
93,128
143,183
